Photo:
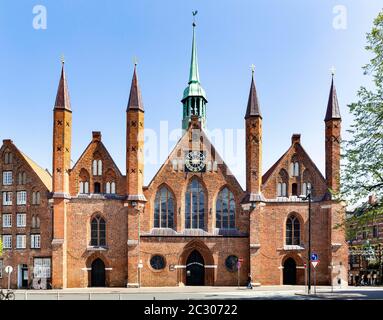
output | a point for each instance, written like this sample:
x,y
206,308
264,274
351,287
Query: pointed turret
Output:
x,y
194,98
253,120
253,109
333,140
332,106
135,99
62,97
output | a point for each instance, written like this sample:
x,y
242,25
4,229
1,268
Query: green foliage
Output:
x,y
362,174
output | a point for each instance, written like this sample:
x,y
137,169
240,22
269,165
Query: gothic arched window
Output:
x,y
194,206
225,210
282,183
293,231
164,209
98,232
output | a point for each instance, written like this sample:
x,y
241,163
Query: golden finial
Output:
x,y
252,69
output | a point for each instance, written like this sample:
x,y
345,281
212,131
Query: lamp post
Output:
x,y
308,197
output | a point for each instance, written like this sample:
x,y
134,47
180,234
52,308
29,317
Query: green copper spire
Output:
x,y
194,74
194,98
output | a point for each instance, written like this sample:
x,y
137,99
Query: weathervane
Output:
x,y
194,14
252,69
332,70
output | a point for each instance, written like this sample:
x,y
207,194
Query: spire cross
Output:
x,y
135,60
62,59
332,70
252,69
194,14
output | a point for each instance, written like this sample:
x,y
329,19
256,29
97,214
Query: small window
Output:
x,y
35,241
293,231
8,158
231,263
7,241
1,268
94,167
7,178
97,168
7,220
282,190
107,188
157,262
21,220
97,187
38,197
21,241
294,189
113,188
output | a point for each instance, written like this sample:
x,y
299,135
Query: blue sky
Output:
x,y
292,43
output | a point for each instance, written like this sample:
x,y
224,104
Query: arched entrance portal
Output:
x,y
98,273
195,269
290,272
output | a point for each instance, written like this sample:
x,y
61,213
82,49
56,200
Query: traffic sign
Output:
x,y
314,257
8,269
305,265
315,263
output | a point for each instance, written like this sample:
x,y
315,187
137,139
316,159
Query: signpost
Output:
x,y
8,270
314,263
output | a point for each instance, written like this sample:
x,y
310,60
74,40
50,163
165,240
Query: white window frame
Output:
x,y
21,220
1,268
42,268
7,241
296,169
21,197
35,241
95,167
7,220
99,167
21,241
7,198
113,188
107,188
7,178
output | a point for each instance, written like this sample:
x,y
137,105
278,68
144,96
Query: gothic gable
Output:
x,y
290,176
96,172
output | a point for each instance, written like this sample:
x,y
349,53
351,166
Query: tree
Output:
x,y
362,174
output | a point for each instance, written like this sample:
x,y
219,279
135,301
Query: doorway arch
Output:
x,y
289,272
195,269
98,278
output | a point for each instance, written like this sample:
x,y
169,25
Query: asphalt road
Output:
x,y
203,293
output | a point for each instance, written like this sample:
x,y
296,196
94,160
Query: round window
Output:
x,y
231,263
157,262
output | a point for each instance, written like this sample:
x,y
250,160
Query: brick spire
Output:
x,y
62,97
332,106
135,99
253,109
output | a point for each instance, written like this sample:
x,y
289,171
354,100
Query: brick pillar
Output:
x,y
254,154
333,139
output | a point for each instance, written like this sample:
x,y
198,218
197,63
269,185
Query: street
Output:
x,y
205,293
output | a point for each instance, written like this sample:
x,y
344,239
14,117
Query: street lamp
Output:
x,y
308,197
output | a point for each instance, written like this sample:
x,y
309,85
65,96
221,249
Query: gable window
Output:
x,y
110,188
293,232
98,232
8,158
282,190
164,209
35,222
7,178
21,197
7,198
22,178
97,187
21,220
194,206
97,168
36,197
84,187
294,169
294,189
225,210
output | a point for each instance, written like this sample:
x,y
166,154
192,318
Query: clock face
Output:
x,y
195,161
